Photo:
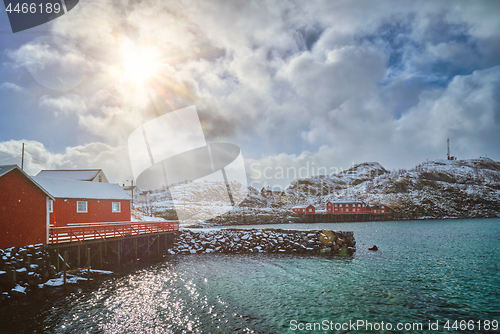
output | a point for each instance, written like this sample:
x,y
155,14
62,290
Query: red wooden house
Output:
x,y
304,209
376,209
29,205
85,202
24,208
269,192
346,207
342,207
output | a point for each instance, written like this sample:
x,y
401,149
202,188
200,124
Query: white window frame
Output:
x,y
113,207
347,210
51,206
78,208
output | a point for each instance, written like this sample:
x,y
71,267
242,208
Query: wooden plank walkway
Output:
x,y
77,233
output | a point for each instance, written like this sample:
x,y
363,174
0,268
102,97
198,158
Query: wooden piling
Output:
x,y
88,264
65,264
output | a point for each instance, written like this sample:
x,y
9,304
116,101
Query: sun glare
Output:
x,y
139,65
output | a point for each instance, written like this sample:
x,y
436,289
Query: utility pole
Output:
x,y
132,193
22,159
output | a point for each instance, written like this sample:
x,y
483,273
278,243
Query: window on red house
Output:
x,y
81,206
116,207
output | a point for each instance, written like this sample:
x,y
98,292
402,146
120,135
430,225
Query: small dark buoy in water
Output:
x,y
374,248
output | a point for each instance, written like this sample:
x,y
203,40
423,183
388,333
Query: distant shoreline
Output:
x,y
201,225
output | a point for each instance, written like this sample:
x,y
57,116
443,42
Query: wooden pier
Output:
x,y
109,245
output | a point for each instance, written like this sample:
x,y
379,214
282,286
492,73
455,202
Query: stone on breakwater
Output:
x,y
263,241
23,268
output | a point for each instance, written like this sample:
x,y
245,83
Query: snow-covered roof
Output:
x,y
128,188
268,188
302,206
7,168
71,174
348,202
62,188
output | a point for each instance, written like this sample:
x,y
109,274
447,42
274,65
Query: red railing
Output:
x,y
99,231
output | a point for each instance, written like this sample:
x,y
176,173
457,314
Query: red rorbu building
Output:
x,y
24,208
376,209
342,207
85,202
346,207
269,192
304,209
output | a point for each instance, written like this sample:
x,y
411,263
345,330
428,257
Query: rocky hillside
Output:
x,y
437,189
208,200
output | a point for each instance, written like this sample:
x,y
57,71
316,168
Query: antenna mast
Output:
x,y
449,156
448,142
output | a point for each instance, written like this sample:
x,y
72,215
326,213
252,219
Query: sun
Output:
x,y
139,65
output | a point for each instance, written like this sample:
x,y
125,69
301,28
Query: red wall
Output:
x,y
353,208
97,211
297,210
22,211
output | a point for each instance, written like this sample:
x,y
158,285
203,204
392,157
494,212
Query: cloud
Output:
x,y
290,82
92,155
53,61
467,111
66,104
11,86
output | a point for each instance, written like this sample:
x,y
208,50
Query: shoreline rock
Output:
x,y
263,241
23,269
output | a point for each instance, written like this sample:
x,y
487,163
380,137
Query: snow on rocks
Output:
x,y
23,269
263,241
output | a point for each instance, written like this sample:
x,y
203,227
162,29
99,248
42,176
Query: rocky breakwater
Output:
x,y
263,241
23,269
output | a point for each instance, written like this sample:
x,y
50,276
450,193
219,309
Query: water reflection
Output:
x,y
421,272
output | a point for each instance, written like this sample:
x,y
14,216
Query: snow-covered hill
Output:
x,y
202,201
436,189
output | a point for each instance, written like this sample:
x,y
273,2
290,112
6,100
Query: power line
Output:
x,y
12,155
29,155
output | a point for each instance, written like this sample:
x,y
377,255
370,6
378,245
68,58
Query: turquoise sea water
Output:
x,y
444,270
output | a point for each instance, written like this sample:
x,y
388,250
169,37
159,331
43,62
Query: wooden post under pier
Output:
x,y
112,252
